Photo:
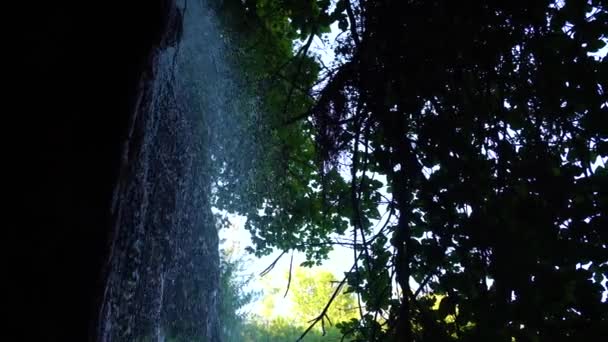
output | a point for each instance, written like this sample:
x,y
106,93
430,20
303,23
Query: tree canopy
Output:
x,y
481,130
284,315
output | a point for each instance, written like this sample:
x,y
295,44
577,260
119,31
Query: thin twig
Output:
x,y
353,23
423,284
305,47
289,277
271,266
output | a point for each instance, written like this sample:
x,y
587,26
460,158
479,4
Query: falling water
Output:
x,y
162,276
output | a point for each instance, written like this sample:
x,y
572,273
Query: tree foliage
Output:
x,y
484,119
234,295
280,330
307,297
309,292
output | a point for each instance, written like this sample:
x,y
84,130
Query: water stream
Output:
x,y
162,273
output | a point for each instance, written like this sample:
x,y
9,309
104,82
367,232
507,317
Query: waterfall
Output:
x,y
162,271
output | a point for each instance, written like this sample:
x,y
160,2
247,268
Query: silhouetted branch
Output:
x,y
326,308
304,50
423,284
271,266
289,277
353,23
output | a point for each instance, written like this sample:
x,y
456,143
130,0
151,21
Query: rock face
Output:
x,y
94,221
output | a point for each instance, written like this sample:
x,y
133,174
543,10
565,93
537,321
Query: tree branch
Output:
x,y
353,23
289,277
304,50
271,266
327,306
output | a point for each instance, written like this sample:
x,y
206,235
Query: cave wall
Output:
x,y
75,79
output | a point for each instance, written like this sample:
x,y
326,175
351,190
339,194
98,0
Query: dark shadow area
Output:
x,y
79,65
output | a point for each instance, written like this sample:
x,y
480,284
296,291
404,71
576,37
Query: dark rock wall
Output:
x,y
75,78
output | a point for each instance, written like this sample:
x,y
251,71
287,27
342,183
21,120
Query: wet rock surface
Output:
x,y
77,77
